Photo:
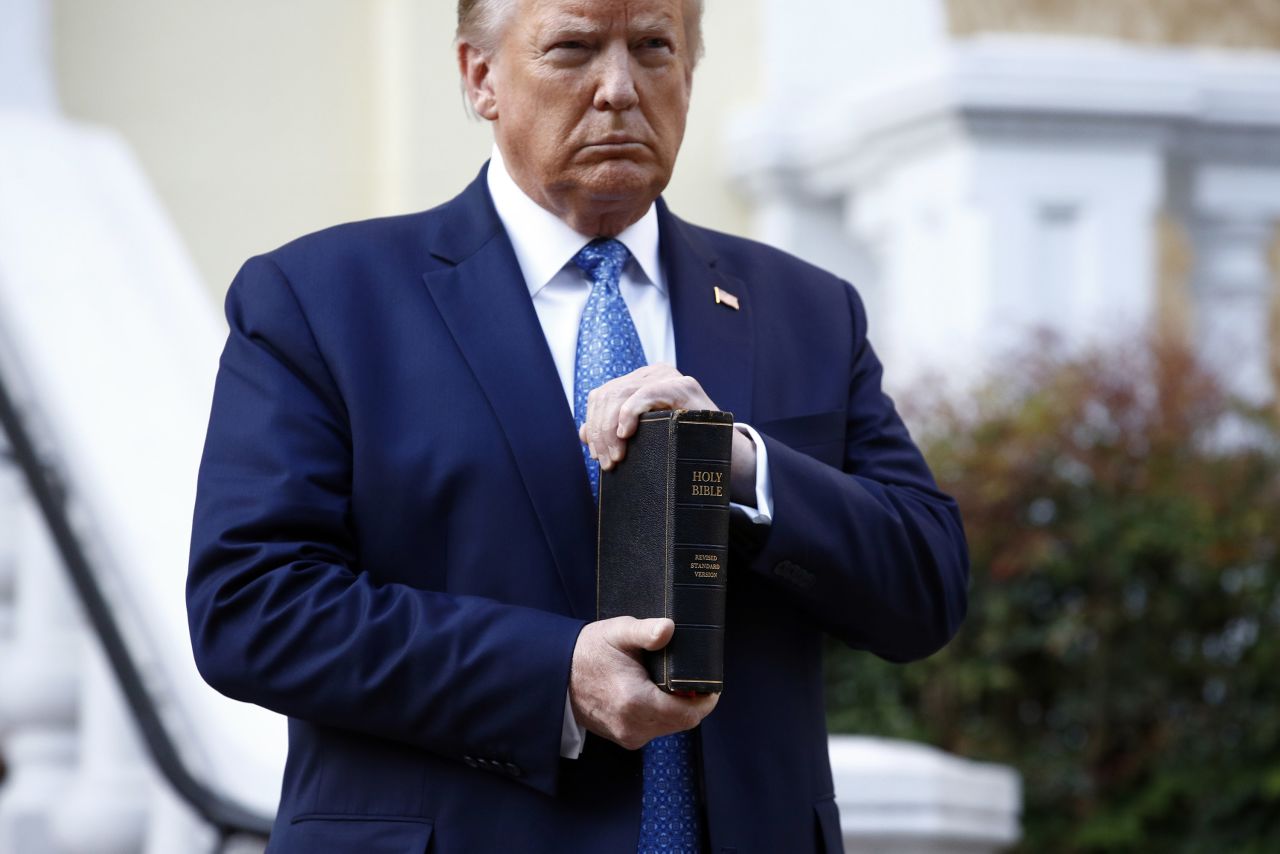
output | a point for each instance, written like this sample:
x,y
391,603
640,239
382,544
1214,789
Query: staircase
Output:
x,y
110,740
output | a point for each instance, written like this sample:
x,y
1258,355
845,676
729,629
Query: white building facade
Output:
x,y
983,183
974,181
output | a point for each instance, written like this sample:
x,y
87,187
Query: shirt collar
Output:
x,y
544,243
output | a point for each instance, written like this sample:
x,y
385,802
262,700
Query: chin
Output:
x,y
624,180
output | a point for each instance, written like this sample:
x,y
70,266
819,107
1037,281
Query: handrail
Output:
x,y
227,817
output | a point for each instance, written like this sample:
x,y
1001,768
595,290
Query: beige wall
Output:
x,y
1217,23
259,120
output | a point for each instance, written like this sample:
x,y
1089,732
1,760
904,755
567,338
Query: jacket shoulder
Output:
x,y
422,240
405,238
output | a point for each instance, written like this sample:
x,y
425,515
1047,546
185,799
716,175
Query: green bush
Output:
x,y
1121,649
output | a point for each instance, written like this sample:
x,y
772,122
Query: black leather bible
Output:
x,y
663,541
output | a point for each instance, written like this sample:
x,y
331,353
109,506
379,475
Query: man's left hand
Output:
x,y
614,410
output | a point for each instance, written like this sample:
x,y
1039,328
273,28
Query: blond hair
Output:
x,y
480,23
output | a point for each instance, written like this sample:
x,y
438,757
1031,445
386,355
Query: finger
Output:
x,y
645,399
605,402
612,447
677,703
584,436
632,408
704,703
618,388
589,429
599,424
647,396
657,632
628,633
682,713
673,392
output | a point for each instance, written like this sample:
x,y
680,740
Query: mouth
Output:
x,y
617,143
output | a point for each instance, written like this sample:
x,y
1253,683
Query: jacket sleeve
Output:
x,y
872,550
280,611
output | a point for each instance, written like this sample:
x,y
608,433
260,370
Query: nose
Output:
x,y
616,88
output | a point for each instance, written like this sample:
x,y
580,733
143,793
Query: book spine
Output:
x,y
698,557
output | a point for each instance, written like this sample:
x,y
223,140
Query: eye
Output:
x,y
569,53
655,43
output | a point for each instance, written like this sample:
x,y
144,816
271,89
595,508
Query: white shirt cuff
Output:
x,y
762,513
572,734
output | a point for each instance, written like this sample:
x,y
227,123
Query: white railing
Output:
x,y
906,798
101,311
38,693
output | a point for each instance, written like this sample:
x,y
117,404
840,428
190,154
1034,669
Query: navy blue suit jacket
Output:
x,y
394,543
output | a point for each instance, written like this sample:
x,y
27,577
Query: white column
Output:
x,y
1233,213
935,257
1232,288
26,79
106,808
38,694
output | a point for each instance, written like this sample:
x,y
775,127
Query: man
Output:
x,y
394,541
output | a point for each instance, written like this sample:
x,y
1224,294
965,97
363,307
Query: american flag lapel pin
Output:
x,y
725,298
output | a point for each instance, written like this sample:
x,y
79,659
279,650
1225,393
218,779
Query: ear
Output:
x,y
477,80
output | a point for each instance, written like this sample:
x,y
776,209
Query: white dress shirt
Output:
x,y
545,247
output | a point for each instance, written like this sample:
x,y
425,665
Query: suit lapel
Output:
x,y
486,306
714,343
485,303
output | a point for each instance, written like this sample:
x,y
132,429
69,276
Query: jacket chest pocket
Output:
x,y
820,435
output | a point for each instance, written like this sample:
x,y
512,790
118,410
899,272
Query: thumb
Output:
x,y
654,633
630,633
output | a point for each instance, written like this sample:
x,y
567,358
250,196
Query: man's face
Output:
x,y
588,99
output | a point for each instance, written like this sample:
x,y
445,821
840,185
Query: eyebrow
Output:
x,y
572,22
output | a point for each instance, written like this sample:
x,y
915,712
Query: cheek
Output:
x,y
557,108
668,119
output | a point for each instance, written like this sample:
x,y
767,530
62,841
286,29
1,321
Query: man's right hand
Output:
x,y
611,692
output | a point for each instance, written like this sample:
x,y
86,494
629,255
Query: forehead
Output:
x,y
599,13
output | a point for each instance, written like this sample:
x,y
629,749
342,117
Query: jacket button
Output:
x,y
513,769
471,761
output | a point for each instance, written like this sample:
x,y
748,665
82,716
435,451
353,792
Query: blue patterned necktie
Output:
x,y
608,347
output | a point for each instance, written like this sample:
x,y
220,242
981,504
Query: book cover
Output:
x,y
663,541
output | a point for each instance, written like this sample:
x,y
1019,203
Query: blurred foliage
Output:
x,y
1122,647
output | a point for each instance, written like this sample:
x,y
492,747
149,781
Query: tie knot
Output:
x,y
602,260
